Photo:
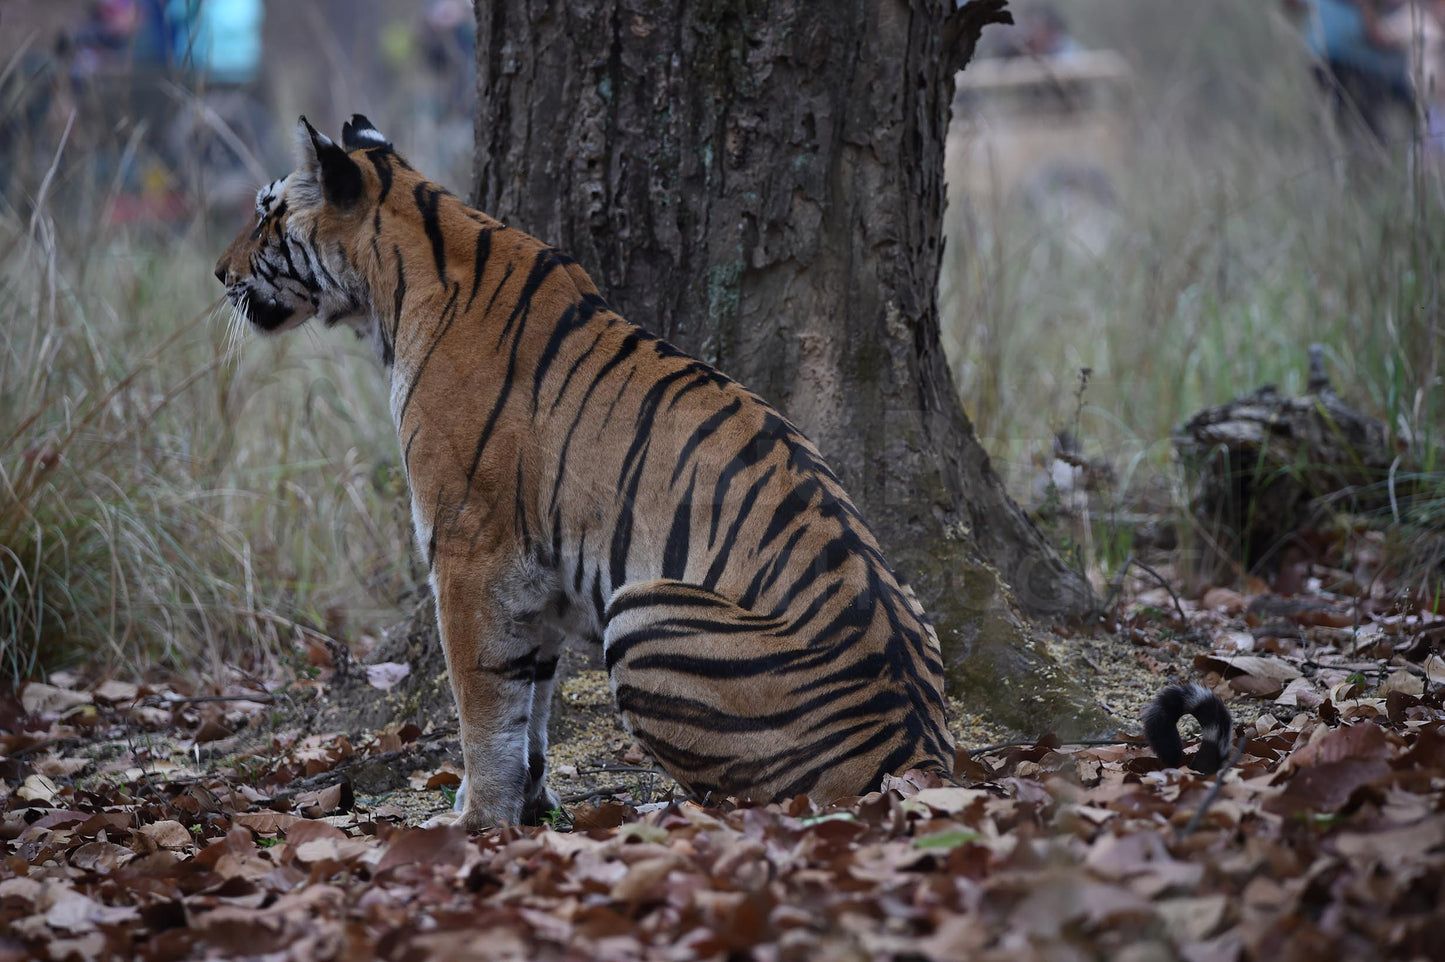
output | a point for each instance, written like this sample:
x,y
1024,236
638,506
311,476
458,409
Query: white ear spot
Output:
x,y
266,198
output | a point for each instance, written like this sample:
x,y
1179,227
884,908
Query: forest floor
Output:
x,y
155,822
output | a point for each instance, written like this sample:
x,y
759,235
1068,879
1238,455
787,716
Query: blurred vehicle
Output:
x,y
161,102
1050,132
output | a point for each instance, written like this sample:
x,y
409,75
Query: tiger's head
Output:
x,y
299,257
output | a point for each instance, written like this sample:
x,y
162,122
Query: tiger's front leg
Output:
x,y
539,800
492,663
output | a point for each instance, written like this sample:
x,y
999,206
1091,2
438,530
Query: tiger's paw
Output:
x,y
442,820
541,808
471,820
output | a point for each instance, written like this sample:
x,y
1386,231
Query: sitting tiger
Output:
x,y
572,475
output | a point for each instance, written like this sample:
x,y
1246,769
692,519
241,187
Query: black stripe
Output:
x,y
616,400
522,310
381,161
521,668
703,432
815,607
706,376
759,447
576,365
674,555
400,295
479,265
598,603
406,452
642,426
427,199
624,351
572,320
768,573
622,532
545,263
580,566
491,301
790,508
677,594
449,314
519,510
724,552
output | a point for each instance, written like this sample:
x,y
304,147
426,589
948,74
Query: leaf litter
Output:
x,y
1325,840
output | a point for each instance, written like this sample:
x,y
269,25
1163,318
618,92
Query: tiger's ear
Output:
x,y
358,133
325,172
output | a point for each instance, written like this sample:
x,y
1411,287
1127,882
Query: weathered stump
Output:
x,y
1263,465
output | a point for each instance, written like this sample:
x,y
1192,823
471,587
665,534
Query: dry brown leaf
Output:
x,y
951,801
1226,600
643,878
323,801
58,767
168,834
386,674
1060,899
1327,786
306,830
1193,919
1364,740
596,818
69,910
446,777
1300,692
266,823
115,692
1394,848
433,846
37,788
211,730
329,849
38,698
100,857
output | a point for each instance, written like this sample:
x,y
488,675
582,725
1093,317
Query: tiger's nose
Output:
x,y
221,271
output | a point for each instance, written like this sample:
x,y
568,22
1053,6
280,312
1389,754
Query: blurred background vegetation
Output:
x,y
175,493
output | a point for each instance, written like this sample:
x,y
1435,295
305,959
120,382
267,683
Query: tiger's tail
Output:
x,y
1161,721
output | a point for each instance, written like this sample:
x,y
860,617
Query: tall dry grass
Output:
x,y
1248,225
174,492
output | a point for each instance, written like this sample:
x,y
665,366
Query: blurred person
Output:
x,y
103,43
220,138
447,38
1360,64
1041,32
1419,28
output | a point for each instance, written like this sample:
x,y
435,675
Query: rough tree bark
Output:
x,y
762,184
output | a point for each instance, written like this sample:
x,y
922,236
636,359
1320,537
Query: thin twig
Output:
x,y
1214,789
619,769
594,793
1083,742
151,700
1118,586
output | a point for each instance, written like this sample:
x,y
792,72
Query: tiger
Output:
x,y
574,476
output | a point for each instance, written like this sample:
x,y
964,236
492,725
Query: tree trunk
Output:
x,y
761,183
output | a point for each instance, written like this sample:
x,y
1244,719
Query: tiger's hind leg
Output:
x,y
540,801
730,702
